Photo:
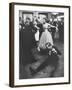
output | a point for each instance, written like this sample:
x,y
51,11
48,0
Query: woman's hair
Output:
x,y
45,19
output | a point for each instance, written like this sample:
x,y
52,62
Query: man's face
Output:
x,y
27,21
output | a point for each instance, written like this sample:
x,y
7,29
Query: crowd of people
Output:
x,y
40,35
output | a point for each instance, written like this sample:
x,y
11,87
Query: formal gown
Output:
x,y
45,37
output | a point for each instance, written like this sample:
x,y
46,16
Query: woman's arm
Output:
x,y
56,27
51,26
36,27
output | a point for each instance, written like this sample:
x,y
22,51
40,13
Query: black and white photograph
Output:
x,y
41,44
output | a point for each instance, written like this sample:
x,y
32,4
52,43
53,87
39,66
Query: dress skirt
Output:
x,y
45,38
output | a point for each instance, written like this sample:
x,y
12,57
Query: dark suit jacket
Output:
x,y
41,29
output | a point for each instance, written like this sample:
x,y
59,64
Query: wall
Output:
x,y
4,43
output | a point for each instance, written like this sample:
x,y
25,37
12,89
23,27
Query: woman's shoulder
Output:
x,y
46,25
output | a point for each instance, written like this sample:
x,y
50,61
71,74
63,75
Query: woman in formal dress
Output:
x,y
46,35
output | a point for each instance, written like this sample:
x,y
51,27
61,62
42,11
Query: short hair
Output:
x,y
28,18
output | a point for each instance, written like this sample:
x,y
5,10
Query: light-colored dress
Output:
x,y
45,37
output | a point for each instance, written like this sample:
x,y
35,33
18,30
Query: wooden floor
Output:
x,y
25,72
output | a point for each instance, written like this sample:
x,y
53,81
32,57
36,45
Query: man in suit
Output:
x,y
27,42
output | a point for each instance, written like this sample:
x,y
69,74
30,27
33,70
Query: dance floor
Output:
x,y
25,72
